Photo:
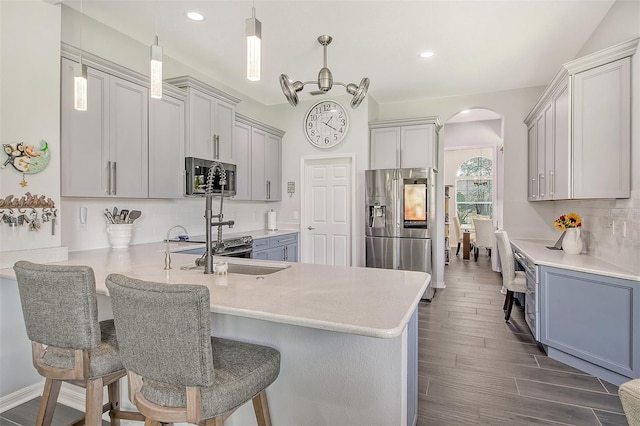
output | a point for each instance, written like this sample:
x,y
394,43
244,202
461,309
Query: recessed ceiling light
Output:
x,y
464,111
427,54
194,15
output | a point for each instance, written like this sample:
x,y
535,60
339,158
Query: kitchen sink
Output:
x,y
245,269
239,268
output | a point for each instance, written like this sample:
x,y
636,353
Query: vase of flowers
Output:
x,y
570,224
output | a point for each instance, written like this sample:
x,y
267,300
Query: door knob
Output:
x,y
310,228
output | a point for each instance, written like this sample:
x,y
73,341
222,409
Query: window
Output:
x,y
474,189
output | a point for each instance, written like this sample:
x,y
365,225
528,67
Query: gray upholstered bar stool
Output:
x,y
629,393
61,311
177,371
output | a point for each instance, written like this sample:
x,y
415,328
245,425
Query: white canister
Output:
x,y
119,234
271,221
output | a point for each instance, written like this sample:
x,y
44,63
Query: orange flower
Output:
x,y
571,220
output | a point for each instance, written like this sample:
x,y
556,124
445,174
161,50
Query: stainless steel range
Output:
x,y
231,247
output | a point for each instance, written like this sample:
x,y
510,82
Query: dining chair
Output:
x,y
485,237
68,343
177,371
460,236
512,280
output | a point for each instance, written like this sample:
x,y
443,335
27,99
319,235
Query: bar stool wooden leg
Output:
x,y
48,403
114,401
93,410
261,408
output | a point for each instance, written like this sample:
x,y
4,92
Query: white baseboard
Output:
x,y
21,396
71,396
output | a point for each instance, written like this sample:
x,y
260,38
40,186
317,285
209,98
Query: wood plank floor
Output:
x,y
473,368
476,370
26,414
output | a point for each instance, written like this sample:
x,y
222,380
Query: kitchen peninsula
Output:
x,y
348,336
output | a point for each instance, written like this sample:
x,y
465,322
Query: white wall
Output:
x,y
295,145
30,108
29,112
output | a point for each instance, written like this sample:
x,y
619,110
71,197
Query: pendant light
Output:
x,y
156,70
254,46
80,76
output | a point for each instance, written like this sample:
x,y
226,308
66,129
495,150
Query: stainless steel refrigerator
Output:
x,y
400,215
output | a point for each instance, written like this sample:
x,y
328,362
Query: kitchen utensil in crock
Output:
x,y
133,215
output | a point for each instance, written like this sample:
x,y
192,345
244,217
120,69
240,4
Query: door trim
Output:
x,y
304,214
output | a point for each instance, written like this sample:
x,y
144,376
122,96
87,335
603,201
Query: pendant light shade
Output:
x,y
156,70
254,47
325,81
80,87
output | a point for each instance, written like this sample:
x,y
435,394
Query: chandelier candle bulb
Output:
x,y
156,70
254,47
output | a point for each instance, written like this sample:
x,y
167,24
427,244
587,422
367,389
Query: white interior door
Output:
x,y
327,211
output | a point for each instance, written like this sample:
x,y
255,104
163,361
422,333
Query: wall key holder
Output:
x,y
32,218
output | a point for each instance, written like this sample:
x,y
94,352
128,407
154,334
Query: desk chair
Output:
x,y
484,235
459,235
61,311
177,372
630,397
512,280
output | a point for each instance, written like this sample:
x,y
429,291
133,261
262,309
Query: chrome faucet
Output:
x,y
167,255
208,215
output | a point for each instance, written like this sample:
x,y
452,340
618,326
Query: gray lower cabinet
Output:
x,y
592,318
281,247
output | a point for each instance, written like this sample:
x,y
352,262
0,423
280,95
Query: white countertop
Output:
x,y
537,250
363,301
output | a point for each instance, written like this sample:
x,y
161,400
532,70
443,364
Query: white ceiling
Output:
x,y
480,45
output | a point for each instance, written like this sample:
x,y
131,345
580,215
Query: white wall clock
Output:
x,y
326,124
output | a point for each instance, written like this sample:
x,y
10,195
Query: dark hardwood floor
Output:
x,y
26,414
476,370
473,368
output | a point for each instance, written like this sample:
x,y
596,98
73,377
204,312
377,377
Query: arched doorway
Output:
x,y
475,133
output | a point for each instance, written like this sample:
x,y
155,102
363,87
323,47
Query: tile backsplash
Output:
x,y
611,228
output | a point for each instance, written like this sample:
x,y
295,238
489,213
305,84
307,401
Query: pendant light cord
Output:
x,y
81,25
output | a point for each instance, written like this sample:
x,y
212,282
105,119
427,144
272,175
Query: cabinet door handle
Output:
x,y
552,184
533,187
268,190
218,147
286,253
213,146
541,182
109,177
115,178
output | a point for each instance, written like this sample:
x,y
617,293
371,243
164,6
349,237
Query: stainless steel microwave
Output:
x,y
197,170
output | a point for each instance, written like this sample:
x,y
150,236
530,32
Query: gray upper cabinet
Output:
x,y
104,149
166,145
242,146
404,143
579,132
210,120
261,178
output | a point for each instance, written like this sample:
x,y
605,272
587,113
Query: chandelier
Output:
x,y
325,81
